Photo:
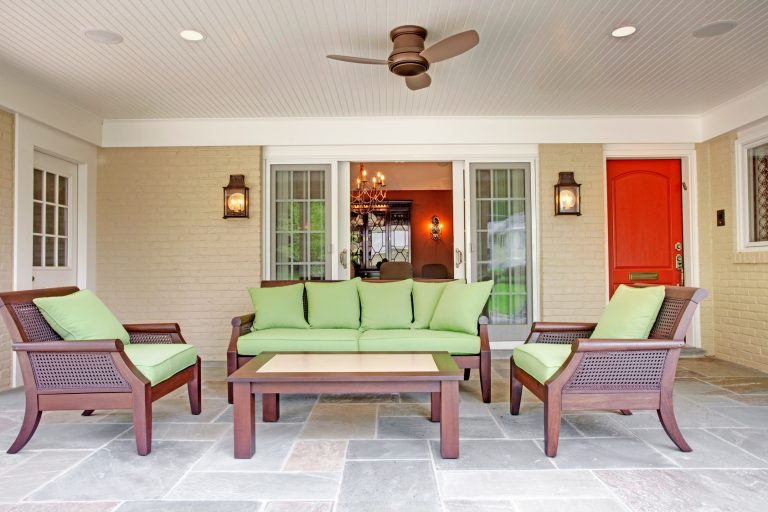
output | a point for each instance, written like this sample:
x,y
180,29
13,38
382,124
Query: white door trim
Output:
x,y
687,155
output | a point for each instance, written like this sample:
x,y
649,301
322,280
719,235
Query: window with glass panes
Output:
x,y
50,221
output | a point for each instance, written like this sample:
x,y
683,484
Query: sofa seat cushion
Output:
x,y
541,360
158,362
298,340
419,340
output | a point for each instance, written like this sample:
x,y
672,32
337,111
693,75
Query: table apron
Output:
x,y
347,387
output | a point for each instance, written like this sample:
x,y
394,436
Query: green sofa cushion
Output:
x,y
425,299
630,314
160,361
460,306
298,340
279,306
541,360
333,305
419,340
386,305
81,316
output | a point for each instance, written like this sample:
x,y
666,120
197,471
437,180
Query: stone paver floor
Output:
x,y
380,453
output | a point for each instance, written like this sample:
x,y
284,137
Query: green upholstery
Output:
x,y
333,305
81,316
425,299
279,306
541,360
298,340
418,340
386,305
158,362
630,314
460,306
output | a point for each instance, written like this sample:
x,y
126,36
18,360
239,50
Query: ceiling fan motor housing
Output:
x,y
405,59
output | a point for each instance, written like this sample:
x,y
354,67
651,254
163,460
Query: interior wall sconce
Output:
x,y
567,195
236,197
436,229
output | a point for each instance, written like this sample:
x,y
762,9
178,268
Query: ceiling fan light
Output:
x,y
192,35
624,31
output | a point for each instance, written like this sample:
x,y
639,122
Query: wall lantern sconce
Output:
x,y
436,229
567,195
236,197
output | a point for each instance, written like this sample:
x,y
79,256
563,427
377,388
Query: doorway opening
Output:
x,y
411,224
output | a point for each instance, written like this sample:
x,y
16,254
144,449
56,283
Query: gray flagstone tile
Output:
x,y
186,431
731,490
750,416
176,410
708,451
494,454
409,427
571,505
388,485
311,455
35,469
359,398
13,400
293,409
238,486
274,442
478,506
607,452
341,421
529,424
689,414
598,425
520,484
753,440
299,506
69,436
388,449
189,506
60,507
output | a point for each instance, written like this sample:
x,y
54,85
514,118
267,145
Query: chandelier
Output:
x,y
369,195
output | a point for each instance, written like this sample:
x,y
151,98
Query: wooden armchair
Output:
x,y
87,375
612,373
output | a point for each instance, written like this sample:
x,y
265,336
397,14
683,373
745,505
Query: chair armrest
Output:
x,y
70,346
241,321
594,345
562,326
240,325
153,328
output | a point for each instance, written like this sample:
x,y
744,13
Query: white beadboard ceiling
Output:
x,y
267,58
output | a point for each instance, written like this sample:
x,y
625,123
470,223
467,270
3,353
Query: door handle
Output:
x,y
343,258
459,258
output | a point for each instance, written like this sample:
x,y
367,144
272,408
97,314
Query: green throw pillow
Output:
x,y
81,316
630,314
278,306
425,299
460,306
386,305
333,305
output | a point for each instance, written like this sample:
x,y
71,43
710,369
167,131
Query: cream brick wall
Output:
x,y
738,281
573,266
164,251
6,234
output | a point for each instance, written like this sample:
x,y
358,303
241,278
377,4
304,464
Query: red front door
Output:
x,y
645,224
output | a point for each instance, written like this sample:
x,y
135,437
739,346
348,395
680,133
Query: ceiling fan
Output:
x,y
411,60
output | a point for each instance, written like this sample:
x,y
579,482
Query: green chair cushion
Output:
x,y
81,316
386,305
333,305
419,340
279,306
425,299
158,362
630,314
460,306
541,360
298,340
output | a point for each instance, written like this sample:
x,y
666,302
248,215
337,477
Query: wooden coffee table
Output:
x,y
382,372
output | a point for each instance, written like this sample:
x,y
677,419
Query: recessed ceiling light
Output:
x,y
98,35
192,35
716,28
626,30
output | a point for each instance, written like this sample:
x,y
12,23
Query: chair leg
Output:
x,y
551,425
667,417
466,373
194,389
230,394
485,376
142,420
515,390
625,412
88,412
28,426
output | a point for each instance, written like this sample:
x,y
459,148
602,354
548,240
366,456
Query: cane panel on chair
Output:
x,y
33,325
619,372
562,337
83,372
668,318
152,337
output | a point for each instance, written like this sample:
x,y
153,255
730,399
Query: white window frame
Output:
x,y
744,143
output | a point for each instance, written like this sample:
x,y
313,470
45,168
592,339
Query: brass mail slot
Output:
x,y
643,276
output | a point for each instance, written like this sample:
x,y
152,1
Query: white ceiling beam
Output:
x,y
736,113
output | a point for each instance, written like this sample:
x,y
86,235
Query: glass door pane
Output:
x,y
501,242
300,222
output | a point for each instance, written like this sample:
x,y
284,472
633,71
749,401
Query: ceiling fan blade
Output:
x,y
357,60
451,46
417,82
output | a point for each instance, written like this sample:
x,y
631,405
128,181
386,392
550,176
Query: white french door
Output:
x,y
54,222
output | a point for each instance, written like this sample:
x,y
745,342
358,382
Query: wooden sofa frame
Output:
x,y
87,375
482,361
612,373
